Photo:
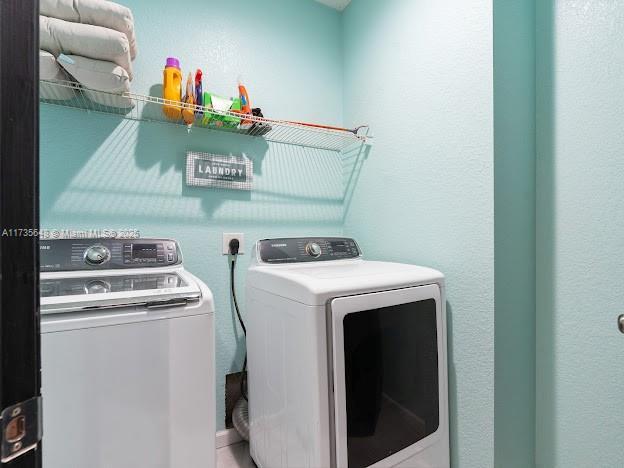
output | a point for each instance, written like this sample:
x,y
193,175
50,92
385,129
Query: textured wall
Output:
x,y
580,201
514,222
102,172
421,73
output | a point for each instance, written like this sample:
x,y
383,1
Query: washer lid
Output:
x,y
74,292
316,283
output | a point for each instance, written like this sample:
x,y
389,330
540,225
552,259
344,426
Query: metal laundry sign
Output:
x,y
220,171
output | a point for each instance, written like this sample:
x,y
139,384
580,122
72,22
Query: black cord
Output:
x,y
243,381
243,384
238,314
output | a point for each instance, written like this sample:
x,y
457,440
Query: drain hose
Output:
x,y
240,418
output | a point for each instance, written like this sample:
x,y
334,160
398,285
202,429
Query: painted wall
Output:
x,y
452,142
420,72
514,227
580,201
99,171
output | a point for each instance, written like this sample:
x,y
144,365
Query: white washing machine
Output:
x,y
127,337
347,359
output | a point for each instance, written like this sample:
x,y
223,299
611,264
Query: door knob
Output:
x,y
621,323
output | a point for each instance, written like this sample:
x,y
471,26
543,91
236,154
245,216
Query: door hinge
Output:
x,y
21,428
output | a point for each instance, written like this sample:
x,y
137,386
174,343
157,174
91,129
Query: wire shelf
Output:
x,y
149,108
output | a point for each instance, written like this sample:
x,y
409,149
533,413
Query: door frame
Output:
x,y
343,306
20,360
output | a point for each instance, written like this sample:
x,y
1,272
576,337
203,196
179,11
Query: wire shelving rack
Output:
x,y
150,109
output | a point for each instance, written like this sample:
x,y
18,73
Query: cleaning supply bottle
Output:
x,y
172,88
245,105
199,95
188,114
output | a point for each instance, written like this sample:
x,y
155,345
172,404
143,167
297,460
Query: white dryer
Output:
x,y
127,350
347,359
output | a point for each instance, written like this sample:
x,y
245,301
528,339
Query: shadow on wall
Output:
x,y
353,160
59,162
123,171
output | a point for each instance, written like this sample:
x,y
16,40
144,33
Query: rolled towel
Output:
x,y
95,12
50,70
96,42
99,75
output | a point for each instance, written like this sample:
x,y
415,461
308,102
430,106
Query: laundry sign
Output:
x,y
219,171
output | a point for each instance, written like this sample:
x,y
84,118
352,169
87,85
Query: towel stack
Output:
x,y
90,41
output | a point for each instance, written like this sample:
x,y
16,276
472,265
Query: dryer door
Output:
x,y
389,375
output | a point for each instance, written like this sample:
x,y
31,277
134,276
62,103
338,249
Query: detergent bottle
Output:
x,y
199,93
172,88
245,105
188,113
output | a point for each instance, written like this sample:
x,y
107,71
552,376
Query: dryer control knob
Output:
x,y
96,255
313,249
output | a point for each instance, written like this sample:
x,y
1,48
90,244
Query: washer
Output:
x,y
127,337
347,358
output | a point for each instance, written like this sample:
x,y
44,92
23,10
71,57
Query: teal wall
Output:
x,y
99,171
514,227
421,73
545,431
580,201
449,90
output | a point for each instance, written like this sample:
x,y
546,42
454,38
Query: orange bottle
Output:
x,y
189,114
245,105
172,88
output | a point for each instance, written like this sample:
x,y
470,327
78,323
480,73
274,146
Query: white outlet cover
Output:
x,y
228,236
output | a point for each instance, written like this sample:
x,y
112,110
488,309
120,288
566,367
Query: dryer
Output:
x,y
127,349
347,358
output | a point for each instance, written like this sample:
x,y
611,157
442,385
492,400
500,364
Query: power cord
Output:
x,y
234,246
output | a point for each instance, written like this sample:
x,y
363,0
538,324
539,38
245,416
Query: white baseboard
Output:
x,y
227,437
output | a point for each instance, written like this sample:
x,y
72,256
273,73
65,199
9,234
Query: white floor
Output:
x,y
235,456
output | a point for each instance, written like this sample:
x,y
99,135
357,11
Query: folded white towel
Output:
x,y
96,42
95,12
101,76
50,70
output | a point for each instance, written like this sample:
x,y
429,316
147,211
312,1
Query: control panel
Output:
x,y
307,249
107,254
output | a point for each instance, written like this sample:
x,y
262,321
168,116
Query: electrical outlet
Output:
x,y
228,236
